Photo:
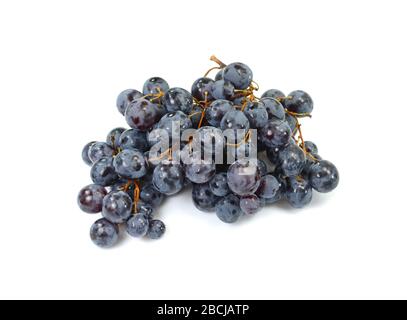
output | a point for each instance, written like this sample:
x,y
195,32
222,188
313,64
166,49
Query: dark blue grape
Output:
x,y
324,176
250,204
219,185
299,102
257,114
275,133
243,177
202,89
238,74
219,75
235,119
209,141
273,155
270,189
228,209
311,147
113,138
133,139
117,206
103,172
90,198
198,170
203,197
273,93
150,195
168,177
130,164
104,233
217,110
155,85
274,108
137,226
125,98
292,122
85,153
239,99
262,167
100,150
299,192
156,229
222,89
178,119
178,99
142,114
145,209
292,160
195,115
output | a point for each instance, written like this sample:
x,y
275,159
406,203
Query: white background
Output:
x,y
62,64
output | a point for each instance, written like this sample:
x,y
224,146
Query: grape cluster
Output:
x,y
238,153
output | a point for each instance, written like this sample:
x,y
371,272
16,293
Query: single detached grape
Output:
x,y
203,197
202,89
223,89
113,137
238,74
130,164
299,102
250,204
243,177
125,98
292,160
324,176
100,150
104,233
117,206
133,139
178,99
90,198
219,185
217,110
168,177
103,172
273,93
142,114
275,133
156,229
228,209
85,153
137,226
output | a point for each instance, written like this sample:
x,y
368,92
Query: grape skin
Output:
x,y
257,114
217,110
178,99
275,133
202,89
228,209
250,204
156,229
168,178
130,164
222,89
299,192
90,198
133,139
104,233
203,198
142,114
324,176
85,153
103,172
292,160
155,85
238,74
274,108
100,150
137,226
117,206
125,98
243,177
219,185
299,102
273,93
113,137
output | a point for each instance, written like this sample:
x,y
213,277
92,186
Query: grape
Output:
x,y
150,195
133,139
174,118
203,197
100,150
202,88
238,74
90,198
324,176
198,170
85,153
125,98
292,123
209,140
154,86
156,229
292,160
104,233
222,89
130,164
168,177
243,177
262,167
275,133
219,185
311,147
117,206
219,75
103,172
274,108
137,225
273,93
239,99
299,192
178,99
195,115
217,110
270,189
234,119
228,209
257,114
299,102
250,204
113,138
145,209
142,114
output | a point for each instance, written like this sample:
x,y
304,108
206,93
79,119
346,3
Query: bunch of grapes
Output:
x,y
236,151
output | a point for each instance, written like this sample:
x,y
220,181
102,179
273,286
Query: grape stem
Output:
x,y
136,195
300,141
215,59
